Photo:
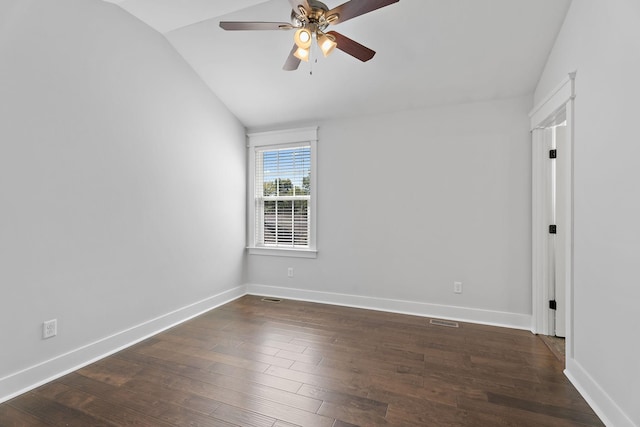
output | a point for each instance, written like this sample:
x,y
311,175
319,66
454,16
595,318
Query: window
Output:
x,y
281,201
282,197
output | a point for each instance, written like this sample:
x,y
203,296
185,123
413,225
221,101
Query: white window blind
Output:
x,y
283,196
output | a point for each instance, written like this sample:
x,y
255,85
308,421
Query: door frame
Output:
x,y
562,97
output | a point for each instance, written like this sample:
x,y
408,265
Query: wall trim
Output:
x,y
601,403
283,136
559,96
462,314
34,376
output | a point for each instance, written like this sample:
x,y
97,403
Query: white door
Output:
x,y
561,181
555,137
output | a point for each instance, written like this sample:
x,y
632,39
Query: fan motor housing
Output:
x,y
314,19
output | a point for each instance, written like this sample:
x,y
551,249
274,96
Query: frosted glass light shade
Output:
x,y
303,38
327,44
302,54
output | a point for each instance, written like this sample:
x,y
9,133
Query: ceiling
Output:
x,y
429,53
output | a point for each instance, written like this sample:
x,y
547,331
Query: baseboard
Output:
x,y
601,403
37,375
462,314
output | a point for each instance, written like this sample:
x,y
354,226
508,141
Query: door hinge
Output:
x,y
553,154
553,305
552,229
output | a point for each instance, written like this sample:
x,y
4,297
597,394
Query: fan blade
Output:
x,y
292,62
246,25
354,8
351,47
296,3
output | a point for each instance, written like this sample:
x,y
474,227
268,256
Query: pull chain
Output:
x,y
312,56
311,51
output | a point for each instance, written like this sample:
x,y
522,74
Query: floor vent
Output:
x,y
447,323
274,300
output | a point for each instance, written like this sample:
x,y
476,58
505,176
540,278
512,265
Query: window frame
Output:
x,y
278,140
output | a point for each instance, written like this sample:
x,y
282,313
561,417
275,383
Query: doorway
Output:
x,y
552,215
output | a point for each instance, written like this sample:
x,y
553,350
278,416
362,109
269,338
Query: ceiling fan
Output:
x,y
310,19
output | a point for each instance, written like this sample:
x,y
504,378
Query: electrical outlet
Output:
x,y
457,287
290,272
50,328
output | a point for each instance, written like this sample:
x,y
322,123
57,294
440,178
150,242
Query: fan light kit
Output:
x,y
310,19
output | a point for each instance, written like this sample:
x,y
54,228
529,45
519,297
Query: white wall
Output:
x,y
122,186
601,40
410,202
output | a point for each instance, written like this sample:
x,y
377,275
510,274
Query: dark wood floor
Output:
x,y
255,363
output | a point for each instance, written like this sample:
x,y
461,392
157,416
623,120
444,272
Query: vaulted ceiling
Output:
x,y
429,53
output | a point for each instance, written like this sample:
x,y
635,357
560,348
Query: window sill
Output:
x,y
284,252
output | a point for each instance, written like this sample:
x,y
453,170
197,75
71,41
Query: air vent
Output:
x,y
273,300
447,323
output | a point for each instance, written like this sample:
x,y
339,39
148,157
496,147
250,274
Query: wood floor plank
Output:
x,y
244,375
544,408
231,384
340,423
55,413
192,341
205,355
13,417
284,345
509,416
258,364
111,371
64,394
344,383
239,375
147,397
404,373
558,393
259,348
182,417
141,396
344,379
294,356
205,336
281,423
242,417
251,399
175,355
345,399
452,418
245,353
120,416
351,414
